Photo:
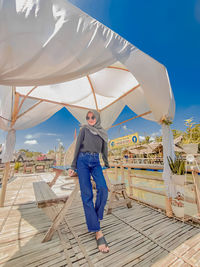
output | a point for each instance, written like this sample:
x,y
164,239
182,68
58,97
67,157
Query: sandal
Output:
x,y
102,241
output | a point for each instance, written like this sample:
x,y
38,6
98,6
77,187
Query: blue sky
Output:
x,y
167,30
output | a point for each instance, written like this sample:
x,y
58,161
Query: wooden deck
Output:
x,y
139,236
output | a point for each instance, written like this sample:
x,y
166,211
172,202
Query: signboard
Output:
x,y
127,140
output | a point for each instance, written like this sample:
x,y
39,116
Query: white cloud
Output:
x,y
125,128
38,135
51,134
31,142
153,135
141,138
29,136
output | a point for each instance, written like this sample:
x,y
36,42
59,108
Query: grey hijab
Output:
x,y
97,129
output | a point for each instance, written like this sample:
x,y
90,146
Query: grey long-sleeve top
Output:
x,y
88,142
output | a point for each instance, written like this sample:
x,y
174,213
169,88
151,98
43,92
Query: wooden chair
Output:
x,y
50,202
116,190
28,168
40,168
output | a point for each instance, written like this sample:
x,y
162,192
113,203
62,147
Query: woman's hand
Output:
x,y
71,172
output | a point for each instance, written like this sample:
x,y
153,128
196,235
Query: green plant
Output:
x,y
17,165
177,166
166,120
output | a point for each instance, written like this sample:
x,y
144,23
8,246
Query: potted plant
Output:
x,y
178,170
17,166
178,205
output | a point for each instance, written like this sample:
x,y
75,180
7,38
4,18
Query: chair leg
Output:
x,y
129,205
111,199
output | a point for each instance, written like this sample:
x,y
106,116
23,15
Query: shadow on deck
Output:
x,y
139,236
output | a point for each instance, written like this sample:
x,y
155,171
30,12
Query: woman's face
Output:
x,y
91,120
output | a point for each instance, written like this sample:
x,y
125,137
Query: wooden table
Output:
x,y
58,171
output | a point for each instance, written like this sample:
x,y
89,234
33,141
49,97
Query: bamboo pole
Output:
x,y
4,183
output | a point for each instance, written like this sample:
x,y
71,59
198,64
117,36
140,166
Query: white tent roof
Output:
x,y
75,62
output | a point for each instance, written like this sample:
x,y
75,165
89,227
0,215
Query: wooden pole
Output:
x,y
168,203
122,174
109,185
15,109
197,188
130,183
138,116
4,183
116,173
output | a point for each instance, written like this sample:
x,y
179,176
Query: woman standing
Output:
x,y
91,141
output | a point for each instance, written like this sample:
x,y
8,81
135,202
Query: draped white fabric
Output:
x,y
9,146
75,62
48,42
168,151
54,42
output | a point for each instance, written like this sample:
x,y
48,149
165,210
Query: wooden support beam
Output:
x,y
25,97
116,173
130,183
15,109
143,114
4,183
35,105
125,94
54,102
93,92
109,185
122,174
168,206
197,188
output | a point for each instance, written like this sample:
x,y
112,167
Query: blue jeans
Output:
x,y
88,164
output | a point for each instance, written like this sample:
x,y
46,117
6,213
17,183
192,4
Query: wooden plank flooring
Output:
x,y
139,236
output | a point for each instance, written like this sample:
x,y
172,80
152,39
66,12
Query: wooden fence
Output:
x,y
119,171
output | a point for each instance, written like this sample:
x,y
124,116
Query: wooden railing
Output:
x,y
127,175
143,161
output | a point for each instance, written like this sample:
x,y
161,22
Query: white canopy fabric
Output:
x,y
52,54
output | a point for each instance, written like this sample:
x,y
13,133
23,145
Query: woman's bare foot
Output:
x,y
103,247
